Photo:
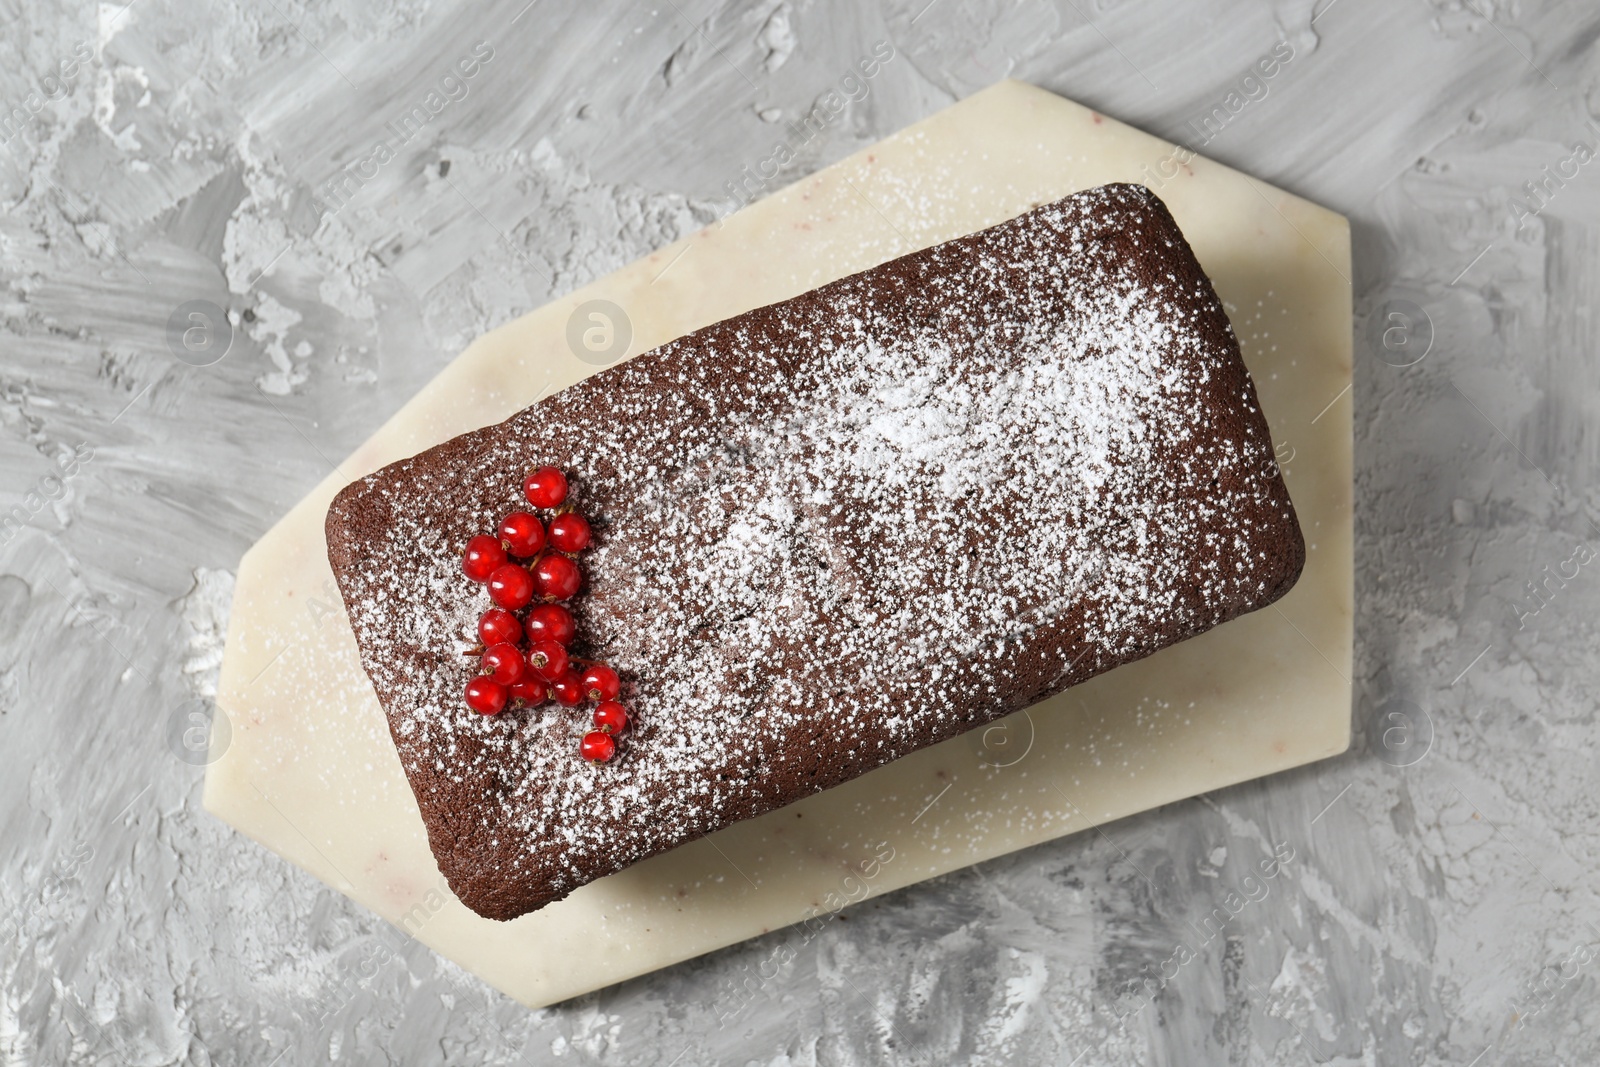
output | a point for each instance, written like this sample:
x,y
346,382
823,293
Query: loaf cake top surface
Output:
x,y
829,532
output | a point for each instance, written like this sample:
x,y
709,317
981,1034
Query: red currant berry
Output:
x,y
486,696
531,691
569,532
499,626
552,621
601,682
568,689
482,556
557,577
522,534
504,664
545,488
511,586
597,747
548,659
610,717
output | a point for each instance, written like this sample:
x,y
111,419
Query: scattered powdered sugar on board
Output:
x,y
832,532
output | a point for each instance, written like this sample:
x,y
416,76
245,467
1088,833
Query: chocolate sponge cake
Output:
x,y
827,533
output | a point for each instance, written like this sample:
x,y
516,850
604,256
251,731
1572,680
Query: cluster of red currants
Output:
x,y
523,645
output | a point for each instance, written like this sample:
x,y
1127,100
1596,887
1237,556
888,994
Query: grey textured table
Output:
x,y
1440,907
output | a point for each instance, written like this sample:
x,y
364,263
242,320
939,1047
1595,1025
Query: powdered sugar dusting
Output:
x,y
837,531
